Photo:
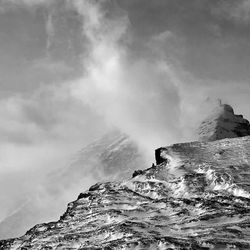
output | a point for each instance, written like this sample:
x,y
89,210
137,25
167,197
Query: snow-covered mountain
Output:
x,y
223,123
112,157
197,196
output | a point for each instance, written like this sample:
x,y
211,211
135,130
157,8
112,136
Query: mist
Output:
x,y
72,71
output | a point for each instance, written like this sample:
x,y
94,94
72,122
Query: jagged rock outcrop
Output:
x,y
197,197
223,123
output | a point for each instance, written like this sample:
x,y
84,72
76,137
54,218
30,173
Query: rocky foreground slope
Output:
x,y
197,196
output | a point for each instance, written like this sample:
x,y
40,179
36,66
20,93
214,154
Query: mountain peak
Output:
x,y
223,123
196,196
226,108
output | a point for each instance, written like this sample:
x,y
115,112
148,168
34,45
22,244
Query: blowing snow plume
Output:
x,y
143,89
138,97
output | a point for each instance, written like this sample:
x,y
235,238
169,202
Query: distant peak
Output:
x,y
227,108
223,123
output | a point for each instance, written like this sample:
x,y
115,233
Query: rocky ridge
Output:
x,y
197,196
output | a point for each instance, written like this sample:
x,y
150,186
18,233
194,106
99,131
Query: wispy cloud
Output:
x,y
28,3
238,11
150,96
132,95
48,121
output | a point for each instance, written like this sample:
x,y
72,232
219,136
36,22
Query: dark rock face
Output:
x,y
223,123
198,197
158,156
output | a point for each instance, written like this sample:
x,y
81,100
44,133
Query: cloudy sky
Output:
x,y
72,69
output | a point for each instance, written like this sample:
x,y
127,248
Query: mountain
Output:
x,y
111,157
197,196
223,123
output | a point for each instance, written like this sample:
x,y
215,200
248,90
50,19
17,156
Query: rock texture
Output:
x,y
197,197
112,157
223,123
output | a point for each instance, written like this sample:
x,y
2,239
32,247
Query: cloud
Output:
x,y
136,96
39,134
150,98
48,123
27,3
238,11
149,94
48,66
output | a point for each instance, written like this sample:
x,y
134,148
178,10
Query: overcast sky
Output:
x,y
71,69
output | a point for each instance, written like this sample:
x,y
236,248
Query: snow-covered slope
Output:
x,y
197,197
223,123
111,157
